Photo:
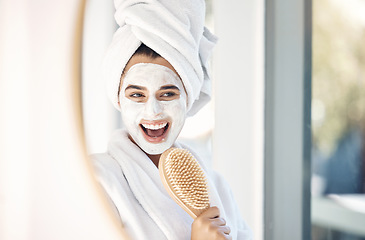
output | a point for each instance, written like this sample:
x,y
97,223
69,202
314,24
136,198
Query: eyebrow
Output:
x,y
169,87
135,87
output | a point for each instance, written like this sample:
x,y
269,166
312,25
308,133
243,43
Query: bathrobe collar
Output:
x,y
144,180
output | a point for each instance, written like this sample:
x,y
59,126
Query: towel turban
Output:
x,y
172,28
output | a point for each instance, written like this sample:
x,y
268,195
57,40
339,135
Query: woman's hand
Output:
x,y
210,226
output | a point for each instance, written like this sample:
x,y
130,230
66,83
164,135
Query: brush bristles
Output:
x,y
187,179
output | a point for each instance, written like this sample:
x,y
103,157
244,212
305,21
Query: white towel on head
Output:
x,y
175,30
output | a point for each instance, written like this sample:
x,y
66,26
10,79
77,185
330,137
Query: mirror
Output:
x,y
47,190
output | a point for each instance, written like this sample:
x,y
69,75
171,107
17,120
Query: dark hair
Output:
x,y
146,51
143,50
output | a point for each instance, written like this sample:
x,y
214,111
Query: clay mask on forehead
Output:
x,y
153,104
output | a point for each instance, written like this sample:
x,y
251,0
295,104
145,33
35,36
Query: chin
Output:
x,y
153,148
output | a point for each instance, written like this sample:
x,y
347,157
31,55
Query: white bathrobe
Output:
x,y
133,185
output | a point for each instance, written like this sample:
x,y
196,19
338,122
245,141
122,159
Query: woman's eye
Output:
x,y
136,95
168,94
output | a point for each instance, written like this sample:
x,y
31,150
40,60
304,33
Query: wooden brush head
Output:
x,y
184,180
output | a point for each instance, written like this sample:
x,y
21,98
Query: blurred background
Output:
x,y
338,119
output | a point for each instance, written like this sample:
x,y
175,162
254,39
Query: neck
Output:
x,y
154,158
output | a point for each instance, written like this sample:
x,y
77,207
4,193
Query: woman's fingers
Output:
x,y
218,221
212,212
225,229
209,225
229,237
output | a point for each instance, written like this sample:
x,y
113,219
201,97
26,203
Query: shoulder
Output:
x,y
220,182
101,160
105,167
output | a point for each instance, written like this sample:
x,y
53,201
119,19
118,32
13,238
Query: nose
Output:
x,y
153,107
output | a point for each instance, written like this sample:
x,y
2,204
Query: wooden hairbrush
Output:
x,y
184,180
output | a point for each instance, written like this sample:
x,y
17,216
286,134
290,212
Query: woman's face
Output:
x,y
153,103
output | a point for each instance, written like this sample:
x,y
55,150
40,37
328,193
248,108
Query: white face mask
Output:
x,y
153,104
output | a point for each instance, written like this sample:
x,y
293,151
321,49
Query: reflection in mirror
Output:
x,y
338,120
101,119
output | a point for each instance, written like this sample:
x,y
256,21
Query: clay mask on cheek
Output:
x,y
153,106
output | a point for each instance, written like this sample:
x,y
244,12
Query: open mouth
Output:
x,y
155,132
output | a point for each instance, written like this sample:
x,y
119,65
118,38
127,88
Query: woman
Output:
x,y
155,92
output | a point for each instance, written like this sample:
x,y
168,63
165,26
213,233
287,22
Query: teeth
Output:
x,y
154,127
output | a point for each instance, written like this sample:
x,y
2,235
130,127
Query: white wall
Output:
x,y
14,118
238,77
100,117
